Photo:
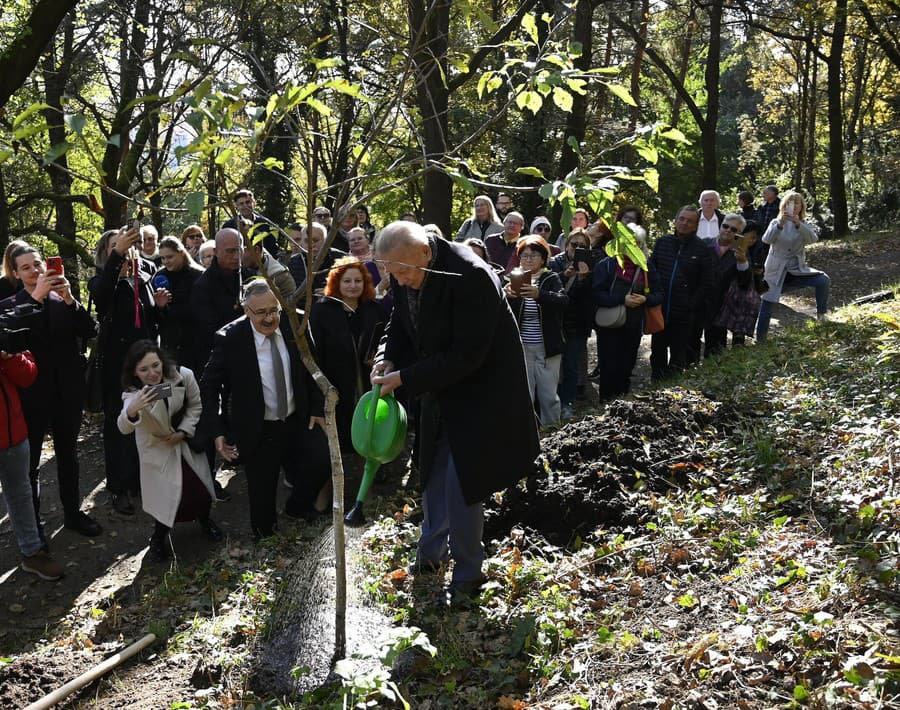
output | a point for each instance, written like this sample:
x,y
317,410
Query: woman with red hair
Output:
x,y
346,326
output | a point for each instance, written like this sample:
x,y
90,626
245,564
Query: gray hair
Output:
x,y
149,229
316,227
735,217
400,234
517,215
257,287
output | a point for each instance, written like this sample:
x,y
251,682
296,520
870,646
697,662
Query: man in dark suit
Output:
x,y
246,204
260,403
453,343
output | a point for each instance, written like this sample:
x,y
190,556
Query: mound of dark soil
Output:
x,y
592,472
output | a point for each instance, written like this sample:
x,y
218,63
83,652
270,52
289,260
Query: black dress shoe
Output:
x,y
212,530
158,550
121,503
83,524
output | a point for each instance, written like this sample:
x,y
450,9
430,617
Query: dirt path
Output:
x,y
55,631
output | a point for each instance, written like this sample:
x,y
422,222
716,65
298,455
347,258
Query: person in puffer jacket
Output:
x,y
687,274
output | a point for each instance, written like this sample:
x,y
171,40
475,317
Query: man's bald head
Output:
x,y
228,249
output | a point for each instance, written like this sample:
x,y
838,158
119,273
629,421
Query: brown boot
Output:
x,y
44,566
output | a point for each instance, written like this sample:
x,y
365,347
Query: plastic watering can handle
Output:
x,y
373,410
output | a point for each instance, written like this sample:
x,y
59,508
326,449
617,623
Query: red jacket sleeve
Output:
x,y
20,369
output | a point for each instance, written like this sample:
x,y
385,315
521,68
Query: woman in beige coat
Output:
x,y
161,405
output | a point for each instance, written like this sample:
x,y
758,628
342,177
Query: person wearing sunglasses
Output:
x,y
578,318
732,266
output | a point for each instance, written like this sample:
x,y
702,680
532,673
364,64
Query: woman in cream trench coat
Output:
x,y
176,483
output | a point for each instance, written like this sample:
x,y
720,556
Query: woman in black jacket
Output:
x,y
346,325
56,398
539,307
128,312
177,326
578,318
630,286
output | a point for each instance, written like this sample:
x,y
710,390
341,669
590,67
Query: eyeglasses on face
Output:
x,y
542,228
265,312
528,255
731,228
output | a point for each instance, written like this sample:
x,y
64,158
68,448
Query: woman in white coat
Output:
x,y
786,270
161,405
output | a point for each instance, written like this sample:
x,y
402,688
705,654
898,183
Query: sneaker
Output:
x,y
222,496
44,566
83,524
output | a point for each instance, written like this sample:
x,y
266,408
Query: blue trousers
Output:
x,y
820,282
451,528
17,494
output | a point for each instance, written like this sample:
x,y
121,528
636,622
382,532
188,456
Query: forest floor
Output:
x,y
730,541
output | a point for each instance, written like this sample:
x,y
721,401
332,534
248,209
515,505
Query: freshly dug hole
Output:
x,y
588,470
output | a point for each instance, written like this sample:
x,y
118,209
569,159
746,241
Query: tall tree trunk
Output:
x,y
23,53
576,119
429,28
131,58
803,112
683,64
836,122
709,130
637,61
4,214
55,77
808,177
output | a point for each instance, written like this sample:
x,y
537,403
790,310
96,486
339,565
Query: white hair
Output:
x,y
400,234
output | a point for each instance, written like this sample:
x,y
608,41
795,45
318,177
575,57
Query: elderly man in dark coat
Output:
x,y
453,343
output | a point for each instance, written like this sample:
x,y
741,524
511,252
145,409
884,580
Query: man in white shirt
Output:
x,y
710,216
260,403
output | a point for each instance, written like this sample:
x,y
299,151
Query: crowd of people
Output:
x,y
200,368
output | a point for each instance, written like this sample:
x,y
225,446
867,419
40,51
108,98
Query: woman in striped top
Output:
x,y
539,307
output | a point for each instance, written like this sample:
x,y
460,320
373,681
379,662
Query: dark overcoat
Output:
x,y
465,363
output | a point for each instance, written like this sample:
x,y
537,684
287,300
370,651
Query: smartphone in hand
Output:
x,y
161,391
55,265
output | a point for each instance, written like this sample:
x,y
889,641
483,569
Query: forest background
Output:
x,y
168,107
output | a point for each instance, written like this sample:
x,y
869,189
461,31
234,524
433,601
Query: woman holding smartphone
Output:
x,y
56,398
127,304
161,406
786,270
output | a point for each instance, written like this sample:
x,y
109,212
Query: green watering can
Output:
x,y
378,432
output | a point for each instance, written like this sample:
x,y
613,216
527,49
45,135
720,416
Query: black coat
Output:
x,y
578,320
114,299
215,302
345,344
178,328
57,335
688,278
552,302
231,387
465,362
726,272
297,267
609,289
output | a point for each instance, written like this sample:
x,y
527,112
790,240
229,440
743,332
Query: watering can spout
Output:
x,y
378,432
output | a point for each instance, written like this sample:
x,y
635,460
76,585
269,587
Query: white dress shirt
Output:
x,y
708,228
267,373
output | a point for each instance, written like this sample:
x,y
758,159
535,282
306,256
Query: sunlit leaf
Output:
x,y
620,92
195,203
75,122
532,171
530,26
562,99
27,113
